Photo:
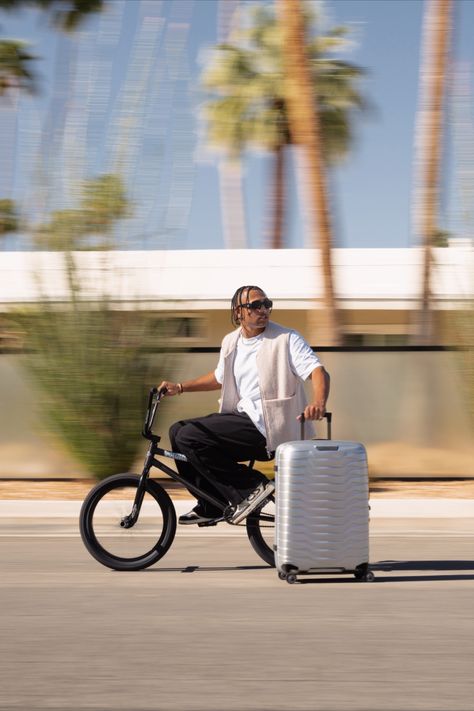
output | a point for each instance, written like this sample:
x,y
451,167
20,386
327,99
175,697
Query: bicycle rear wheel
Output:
x,y
261,531
121,548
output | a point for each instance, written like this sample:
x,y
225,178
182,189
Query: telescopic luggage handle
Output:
x,y
327,415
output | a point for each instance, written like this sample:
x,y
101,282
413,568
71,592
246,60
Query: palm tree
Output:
x,y
66,14
15,72
90,225
15,66
15,60
15,75
302,95
247,103
8,217
433,77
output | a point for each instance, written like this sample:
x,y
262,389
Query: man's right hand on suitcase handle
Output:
x,y
327,415
315,411
301,418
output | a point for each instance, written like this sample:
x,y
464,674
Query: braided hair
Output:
x,y
237,301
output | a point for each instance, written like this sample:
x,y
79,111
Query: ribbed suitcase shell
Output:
x,y
322,510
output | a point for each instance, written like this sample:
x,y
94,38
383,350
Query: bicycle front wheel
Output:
x,y
112,544
261,531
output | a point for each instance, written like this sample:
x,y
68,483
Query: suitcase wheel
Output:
x,y
281,575
364,577
291,578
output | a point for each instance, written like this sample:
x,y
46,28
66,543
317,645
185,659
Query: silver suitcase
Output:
x,y
322,508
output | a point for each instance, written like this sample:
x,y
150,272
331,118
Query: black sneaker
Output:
x,y
196,516
258,495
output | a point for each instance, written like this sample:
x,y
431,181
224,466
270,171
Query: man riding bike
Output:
x,y
261,370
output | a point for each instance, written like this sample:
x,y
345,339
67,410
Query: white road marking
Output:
x,y
221,531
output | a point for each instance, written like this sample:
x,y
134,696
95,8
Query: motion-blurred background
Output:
x,y
157,154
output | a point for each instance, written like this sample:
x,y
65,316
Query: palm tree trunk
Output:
x,y
230,172
306,131
433,87
232,204
277,207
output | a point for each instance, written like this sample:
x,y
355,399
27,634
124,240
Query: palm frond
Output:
x,y
245,88
15,70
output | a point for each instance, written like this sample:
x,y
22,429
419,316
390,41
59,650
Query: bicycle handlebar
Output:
x,y
154,397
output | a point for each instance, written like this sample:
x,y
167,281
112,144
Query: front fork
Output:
x,y
131,518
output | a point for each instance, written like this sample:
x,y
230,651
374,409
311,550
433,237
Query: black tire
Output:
x,y
361,571
261,531
291,578
145,542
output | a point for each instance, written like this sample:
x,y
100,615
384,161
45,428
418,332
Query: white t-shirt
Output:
x,y
302,363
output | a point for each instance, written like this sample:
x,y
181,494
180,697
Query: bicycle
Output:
x,y
128,522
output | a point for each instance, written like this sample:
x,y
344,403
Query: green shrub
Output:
x,y
91,369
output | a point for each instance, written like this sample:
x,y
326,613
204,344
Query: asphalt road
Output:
x,y
210,628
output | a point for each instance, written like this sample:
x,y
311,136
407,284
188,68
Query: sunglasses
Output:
x,y
259,304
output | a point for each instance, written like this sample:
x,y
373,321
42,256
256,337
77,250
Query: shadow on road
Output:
x,y
423,571
389,565
206,569
439,567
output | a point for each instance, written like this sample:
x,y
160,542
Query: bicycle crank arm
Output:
x,y
210,523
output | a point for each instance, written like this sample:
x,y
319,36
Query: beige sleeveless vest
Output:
x,y
283,395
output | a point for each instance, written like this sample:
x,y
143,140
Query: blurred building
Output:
x,y
412,408
378,289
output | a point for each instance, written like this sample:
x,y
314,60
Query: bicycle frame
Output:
x,y
154,398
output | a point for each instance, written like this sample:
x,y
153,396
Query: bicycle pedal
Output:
x,y
207,523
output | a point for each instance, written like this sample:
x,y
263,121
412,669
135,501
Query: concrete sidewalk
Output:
x,y
389,498
77,489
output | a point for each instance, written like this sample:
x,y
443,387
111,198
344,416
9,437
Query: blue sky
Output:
x,y
123,95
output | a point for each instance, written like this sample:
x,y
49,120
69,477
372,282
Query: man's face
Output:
x,y
253,318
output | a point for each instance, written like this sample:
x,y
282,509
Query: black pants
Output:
x,y
214,446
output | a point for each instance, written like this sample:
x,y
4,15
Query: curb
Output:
x,y
379,508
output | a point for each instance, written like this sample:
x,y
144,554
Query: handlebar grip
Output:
x,y
150,411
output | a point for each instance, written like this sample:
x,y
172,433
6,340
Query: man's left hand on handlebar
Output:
x,y
201,384
170,388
